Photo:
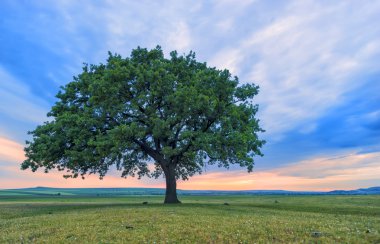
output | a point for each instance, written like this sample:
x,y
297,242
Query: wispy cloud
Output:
x,y
10,151
18,102
322,167
118,26
306,59
349,171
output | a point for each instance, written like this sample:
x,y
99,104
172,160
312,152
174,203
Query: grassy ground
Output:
x,y
247,219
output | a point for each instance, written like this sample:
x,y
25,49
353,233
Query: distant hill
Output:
x,y
361,191
47,191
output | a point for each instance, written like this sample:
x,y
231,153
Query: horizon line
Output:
x,y
178,189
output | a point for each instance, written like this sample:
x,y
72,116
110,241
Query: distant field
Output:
x,y
247,219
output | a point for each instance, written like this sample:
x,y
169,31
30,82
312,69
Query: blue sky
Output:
x,y
317,63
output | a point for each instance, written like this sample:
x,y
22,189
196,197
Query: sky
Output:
x,y
317,64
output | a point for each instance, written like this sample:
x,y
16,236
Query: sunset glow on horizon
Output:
x,y
317,174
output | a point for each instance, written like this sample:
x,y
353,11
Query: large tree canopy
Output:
x,y
176,112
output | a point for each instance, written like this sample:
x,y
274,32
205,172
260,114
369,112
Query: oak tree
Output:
x,y
175,113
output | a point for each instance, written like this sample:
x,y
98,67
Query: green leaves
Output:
x,y
132,111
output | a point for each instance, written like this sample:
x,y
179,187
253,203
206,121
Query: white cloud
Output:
x,y
232,5
18,102
179,38
119,26
228,59
305,60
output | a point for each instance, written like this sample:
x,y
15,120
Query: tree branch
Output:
x,y
150,151
135,117
190,144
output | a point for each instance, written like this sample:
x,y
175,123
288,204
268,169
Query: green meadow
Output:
x,y
199,219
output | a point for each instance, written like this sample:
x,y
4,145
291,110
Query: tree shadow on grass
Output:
x,y
21,210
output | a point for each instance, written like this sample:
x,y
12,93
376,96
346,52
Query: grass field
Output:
x,y
247,219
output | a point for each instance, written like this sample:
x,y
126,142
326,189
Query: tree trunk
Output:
x,y
171,185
